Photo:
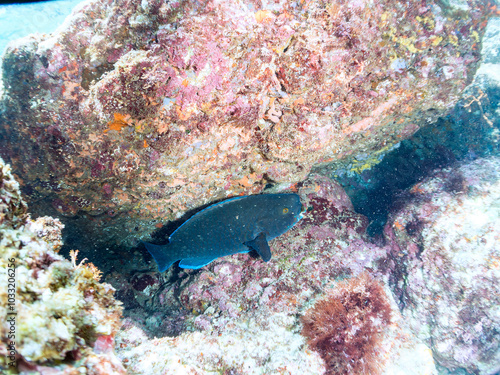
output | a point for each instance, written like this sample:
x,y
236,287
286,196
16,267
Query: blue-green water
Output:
x,y
19,20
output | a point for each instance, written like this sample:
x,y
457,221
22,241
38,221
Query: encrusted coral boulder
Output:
x,y
51,309
136,111
445,243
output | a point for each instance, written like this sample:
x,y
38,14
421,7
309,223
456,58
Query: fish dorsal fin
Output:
x,y
260,245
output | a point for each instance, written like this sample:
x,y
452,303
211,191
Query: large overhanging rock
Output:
x,y
141,110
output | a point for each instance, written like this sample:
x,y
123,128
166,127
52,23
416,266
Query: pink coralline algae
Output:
x,y
147,109
444,242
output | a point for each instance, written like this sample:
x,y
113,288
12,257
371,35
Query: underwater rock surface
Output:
x,y
134,112
445,240
469,131
65,320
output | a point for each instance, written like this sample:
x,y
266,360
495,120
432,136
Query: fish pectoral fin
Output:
x,y
195,263
260,245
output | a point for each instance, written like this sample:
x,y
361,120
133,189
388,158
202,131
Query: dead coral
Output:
x,y
57,312
346,326
12,206
96,272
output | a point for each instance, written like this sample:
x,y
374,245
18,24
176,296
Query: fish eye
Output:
x,y
285,210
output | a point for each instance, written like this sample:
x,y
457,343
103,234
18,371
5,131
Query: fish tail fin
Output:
x,y
162,255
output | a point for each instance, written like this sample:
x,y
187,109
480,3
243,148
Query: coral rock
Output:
x,y
59,310
134,112
13,209
444,237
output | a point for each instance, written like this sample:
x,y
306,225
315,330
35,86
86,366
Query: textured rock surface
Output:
x,y
59,310
13,209
469,131
254,344
445,240
148,109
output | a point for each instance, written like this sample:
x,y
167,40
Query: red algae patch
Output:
x,y
346,326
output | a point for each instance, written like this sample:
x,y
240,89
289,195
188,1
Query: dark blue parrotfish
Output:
x,y
236,225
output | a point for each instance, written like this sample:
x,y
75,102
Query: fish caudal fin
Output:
x,y
161,254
